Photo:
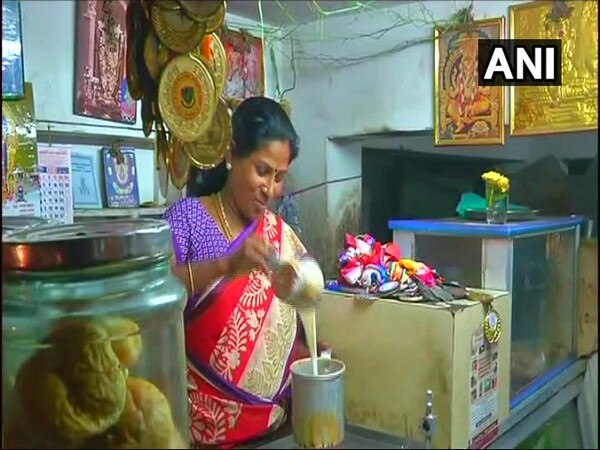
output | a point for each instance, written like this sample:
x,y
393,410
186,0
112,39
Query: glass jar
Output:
x,y
93,349
496,204
12,223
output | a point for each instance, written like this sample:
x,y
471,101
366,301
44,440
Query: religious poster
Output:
x,y
245,64
20,182
12,51
572,106
120,178
101,89
466,113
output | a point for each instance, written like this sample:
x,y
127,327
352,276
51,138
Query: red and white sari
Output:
x,y
240,342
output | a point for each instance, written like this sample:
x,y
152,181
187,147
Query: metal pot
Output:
x,y
309,283
318,403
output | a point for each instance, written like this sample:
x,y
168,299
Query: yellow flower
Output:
x,y
491,176
497,181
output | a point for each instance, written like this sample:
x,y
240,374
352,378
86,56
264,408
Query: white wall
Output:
x,y
49,56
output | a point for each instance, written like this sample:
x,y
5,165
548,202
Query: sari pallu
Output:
x,y
240,342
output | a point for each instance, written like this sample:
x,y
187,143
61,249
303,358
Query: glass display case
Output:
x,y
534,260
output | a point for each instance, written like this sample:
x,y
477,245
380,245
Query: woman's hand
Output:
x,y
252,255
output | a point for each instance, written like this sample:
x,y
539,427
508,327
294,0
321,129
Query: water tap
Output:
x,y
429,422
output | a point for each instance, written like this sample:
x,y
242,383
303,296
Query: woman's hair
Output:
x,y
256,121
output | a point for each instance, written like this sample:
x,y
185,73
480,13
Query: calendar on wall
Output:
x,y
55,176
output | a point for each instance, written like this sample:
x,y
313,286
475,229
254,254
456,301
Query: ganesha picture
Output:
x,y
465,112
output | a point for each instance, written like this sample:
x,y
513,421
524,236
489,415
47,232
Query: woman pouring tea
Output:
x,y
240,338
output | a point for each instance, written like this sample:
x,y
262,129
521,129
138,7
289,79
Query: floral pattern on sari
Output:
x,y
236,383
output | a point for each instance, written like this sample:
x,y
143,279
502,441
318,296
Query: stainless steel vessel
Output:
x,y
318,403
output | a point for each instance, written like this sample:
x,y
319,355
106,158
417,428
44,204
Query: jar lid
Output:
x,y
83,245
11,223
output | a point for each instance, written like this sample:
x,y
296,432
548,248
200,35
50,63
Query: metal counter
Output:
x,y
356,438
523,421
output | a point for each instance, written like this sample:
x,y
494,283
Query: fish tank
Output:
x,y
536,261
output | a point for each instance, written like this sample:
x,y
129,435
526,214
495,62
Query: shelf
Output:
x,y
101,140
119,212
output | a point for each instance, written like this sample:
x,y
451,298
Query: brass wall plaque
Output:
x,y
186,97
179,164
208,151
212,53
216,19
175,30
574,105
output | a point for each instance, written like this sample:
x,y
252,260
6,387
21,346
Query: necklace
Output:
x,y
223,217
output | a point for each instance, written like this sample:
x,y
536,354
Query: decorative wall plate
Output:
x,y
186,97
217,19
169,5
133,80
212,50
162,158
176,30
162,143
179,163
163,176
208,151
156,55
147,116
201,11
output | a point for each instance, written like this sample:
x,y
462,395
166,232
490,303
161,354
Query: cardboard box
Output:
x,y
395,351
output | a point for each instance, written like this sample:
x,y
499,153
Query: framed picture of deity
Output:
x,y
245,64
101,89
120,178
464,112
572,106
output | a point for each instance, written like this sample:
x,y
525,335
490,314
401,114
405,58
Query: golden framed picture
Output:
x,y
466,113
246,74
573,106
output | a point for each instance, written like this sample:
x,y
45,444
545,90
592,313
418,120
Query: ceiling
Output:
x,y
302,10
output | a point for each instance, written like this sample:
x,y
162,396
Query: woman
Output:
x,y
240,338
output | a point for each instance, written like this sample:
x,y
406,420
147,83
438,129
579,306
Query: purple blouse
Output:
x,y
196,236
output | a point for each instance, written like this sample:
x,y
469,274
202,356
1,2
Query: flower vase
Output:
x,y
496,204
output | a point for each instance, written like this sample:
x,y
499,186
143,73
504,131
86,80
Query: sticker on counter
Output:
x,y
483,391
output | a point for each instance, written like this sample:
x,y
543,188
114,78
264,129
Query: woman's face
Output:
x,y
257,179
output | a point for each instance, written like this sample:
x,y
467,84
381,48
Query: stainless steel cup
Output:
x,y
318,403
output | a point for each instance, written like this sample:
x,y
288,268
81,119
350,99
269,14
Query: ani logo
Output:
x,y
519,62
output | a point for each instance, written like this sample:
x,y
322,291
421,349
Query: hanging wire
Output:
x,y
262,38
293,67
288,209
419,16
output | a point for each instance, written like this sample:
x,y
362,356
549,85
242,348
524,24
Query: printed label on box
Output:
x,y
483,390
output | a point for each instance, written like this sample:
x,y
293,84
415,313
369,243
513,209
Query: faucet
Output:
x,y
429,422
